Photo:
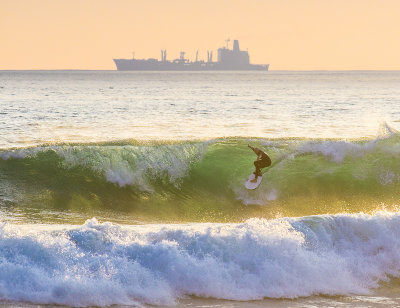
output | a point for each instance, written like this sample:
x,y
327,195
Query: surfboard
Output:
x,y
251,185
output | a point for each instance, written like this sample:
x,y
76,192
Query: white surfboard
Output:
x,y
252,185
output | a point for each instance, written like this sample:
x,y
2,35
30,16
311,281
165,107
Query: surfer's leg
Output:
x,y
259,164
257,173
263,164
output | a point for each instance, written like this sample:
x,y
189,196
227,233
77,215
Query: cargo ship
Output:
x,y
228,59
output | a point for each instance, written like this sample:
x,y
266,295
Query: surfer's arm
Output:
x,y
257,151
254,149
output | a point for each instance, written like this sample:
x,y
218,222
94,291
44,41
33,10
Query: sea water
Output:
x,y
127,188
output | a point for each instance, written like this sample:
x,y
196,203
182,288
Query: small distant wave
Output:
x,y
104,264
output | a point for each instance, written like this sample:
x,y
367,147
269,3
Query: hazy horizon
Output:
x,y
291,35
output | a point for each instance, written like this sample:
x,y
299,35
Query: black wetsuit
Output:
x,y
265,161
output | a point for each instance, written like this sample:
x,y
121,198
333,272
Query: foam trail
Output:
x,y
103,264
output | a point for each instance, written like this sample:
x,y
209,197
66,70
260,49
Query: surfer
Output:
x,y
262,161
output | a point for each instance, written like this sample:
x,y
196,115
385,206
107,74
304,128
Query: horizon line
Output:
x,y
177,71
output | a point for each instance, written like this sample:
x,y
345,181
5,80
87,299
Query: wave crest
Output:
x,y
104,264
191,179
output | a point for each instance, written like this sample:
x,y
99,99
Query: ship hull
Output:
x,y
154,65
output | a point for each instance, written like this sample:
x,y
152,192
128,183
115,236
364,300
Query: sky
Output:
x,y
287,34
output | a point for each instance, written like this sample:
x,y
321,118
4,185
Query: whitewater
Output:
x,y
103,263
127,189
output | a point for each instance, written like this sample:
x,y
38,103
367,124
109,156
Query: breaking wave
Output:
x,y
103,263
189,181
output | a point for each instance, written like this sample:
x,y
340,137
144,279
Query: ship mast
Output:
x,y
227,42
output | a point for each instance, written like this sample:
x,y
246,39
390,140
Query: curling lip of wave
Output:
x,y
124,164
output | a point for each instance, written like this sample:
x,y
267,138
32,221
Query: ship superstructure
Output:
x,y
228,59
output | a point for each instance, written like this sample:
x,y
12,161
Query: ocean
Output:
x,y
127,189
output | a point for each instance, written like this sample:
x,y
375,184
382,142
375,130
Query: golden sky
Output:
x,y
288,34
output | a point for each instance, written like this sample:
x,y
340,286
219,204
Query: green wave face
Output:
x,y
199,181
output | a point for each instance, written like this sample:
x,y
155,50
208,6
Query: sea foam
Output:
x,y
104,263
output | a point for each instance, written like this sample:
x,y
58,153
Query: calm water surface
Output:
x,y
85,106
